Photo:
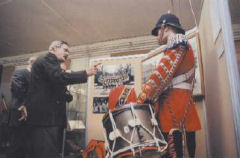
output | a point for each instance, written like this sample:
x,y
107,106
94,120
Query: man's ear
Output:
x,y
166,29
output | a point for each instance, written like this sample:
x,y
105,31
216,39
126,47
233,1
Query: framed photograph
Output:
x,y
100,104
112,72
111,76
150,63
194,40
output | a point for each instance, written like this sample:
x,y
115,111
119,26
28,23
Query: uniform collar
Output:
x,y
176,39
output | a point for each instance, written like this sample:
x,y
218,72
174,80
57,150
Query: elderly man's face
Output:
x,y
62,52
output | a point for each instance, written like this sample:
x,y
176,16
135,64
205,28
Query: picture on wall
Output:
x,y
110,76
113,72
100,104
148,66
198,85
150,63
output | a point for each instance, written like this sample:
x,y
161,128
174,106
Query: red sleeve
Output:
x,y
162,75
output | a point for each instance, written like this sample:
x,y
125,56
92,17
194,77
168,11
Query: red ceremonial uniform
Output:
x,y
171,82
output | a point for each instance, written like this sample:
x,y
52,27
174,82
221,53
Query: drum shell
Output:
x,y
121,117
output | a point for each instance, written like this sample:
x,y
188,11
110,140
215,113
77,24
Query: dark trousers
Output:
x,y
191,144
44,142
60,139
19,142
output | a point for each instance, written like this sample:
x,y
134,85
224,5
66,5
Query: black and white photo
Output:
x,y
100,104
111,76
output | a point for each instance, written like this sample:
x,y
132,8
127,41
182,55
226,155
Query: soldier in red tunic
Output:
x,y
171,84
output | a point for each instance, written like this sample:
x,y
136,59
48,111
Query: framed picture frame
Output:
x,y
108,77
149,63
112,72
194,40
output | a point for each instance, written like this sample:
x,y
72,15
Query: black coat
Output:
x,y
19,89
47,97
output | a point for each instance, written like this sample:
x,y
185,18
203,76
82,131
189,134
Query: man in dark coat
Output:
x,y
18,114
46,103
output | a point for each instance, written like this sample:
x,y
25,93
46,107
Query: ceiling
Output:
x,y
28,26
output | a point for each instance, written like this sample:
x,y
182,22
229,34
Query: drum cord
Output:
x,y
114,129
148,131
119,135
154,129
134,129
